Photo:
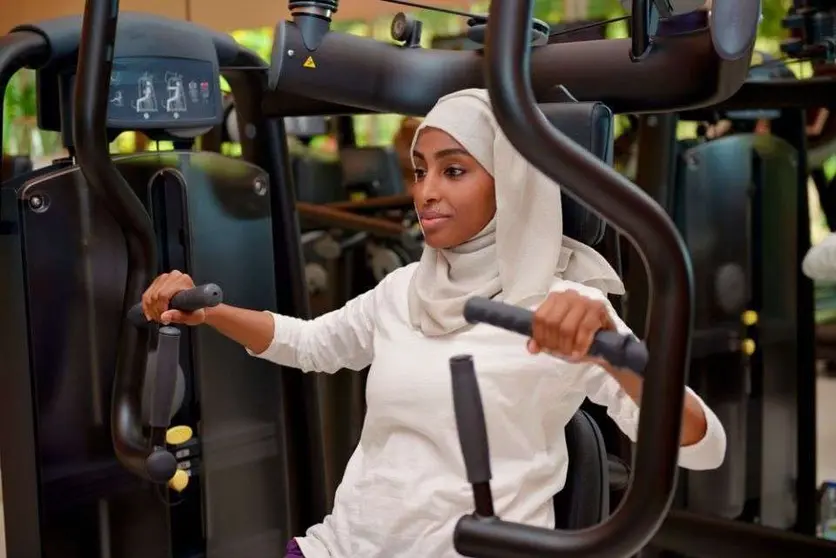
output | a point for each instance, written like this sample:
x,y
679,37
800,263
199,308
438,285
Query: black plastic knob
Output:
x,y
161,465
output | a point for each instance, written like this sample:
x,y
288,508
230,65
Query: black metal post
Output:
x,y
95,60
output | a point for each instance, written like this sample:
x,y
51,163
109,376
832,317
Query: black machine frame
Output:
x,y
706,78
31,47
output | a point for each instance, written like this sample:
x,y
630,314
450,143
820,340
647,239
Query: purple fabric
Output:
x,y
293,550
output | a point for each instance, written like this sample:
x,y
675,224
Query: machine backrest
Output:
x,y
375,170
317,181
14,166
590,125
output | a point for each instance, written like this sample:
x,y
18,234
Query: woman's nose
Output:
x,y
425,192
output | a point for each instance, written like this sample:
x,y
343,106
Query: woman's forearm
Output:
x,y
250,328
694,422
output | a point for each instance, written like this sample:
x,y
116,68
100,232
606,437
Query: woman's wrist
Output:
x,y
212,314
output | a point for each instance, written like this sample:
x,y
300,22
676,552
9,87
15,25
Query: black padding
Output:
x,y
143,33
585,498
590,125
13,166
317,181
375,170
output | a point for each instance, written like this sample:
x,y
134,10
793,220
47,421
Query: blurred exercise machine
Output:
x,y
740,202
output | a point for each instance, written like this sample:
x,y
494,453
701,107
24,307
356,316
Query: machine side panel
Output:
x,y
713,208
75,269
18,438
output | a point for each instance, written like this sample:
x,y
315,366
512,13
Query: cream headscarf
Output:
x,y
517,256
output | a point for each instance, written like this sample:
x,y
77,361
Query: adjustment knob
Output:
x,y
402,26
160,465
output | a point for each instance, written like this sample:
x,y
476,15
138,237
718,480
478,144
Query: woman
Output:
x,y
492,226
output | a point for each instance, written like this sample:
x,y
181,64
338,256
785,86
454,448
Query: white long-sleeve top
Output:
x,y
405,486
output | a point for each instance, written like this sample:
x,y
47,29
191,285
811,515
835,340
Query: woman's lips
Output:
x,y
430,222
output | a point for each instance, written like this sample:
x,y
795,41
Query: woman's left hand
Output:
x,y
566,323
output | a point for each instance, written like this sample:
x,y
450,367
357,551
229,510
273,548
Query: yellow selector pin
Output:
x,y
179,481
177,435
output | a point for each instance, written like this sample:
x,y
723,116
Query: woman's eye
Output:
x,y
454,172
420,173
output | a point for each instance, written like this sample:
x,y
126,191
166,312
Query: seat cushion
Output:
x,y
585,498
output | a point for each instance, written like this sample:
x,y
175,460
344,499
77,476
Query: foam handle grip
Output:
x,y
202,296
620,350
470,420
513,318
165,379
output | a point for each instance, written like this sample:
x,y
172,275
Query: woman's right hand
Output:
x,y
157,297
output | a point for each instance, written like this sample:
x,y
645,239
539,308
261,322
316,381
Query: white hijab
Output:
x,y
517,256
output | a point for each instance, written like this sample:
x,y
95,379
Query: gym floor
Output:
x,y
826,394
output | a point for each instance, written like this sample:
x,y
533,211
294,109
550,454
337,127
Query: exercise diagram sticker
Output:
x,y
309,63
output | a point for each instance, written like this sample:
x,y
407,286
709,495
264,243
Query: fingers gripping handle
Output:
x,y
202,296
622,351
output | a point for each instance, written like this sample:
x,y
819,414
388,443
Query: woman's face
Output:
x,y
453,194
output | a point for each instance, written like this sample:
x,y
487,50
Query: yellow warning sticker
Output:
x,y
309,63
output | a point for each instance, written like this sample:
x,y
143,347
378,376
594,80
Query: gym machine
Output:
x,y
90,466
265,468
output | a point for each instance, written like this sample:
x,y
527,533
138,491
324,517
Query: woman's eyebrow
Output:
x,y
451,151
441,153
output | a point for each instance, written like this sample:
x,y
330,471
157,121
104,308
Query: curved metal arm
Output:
x,y
95,60
650,229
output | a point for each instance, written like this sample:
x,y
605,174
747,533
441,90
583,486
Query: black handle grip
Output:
x,y
622,351
470,419
513,318
165,377
202,296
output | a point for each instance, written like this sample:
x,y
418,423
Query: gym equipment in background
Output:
x,y
740,201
